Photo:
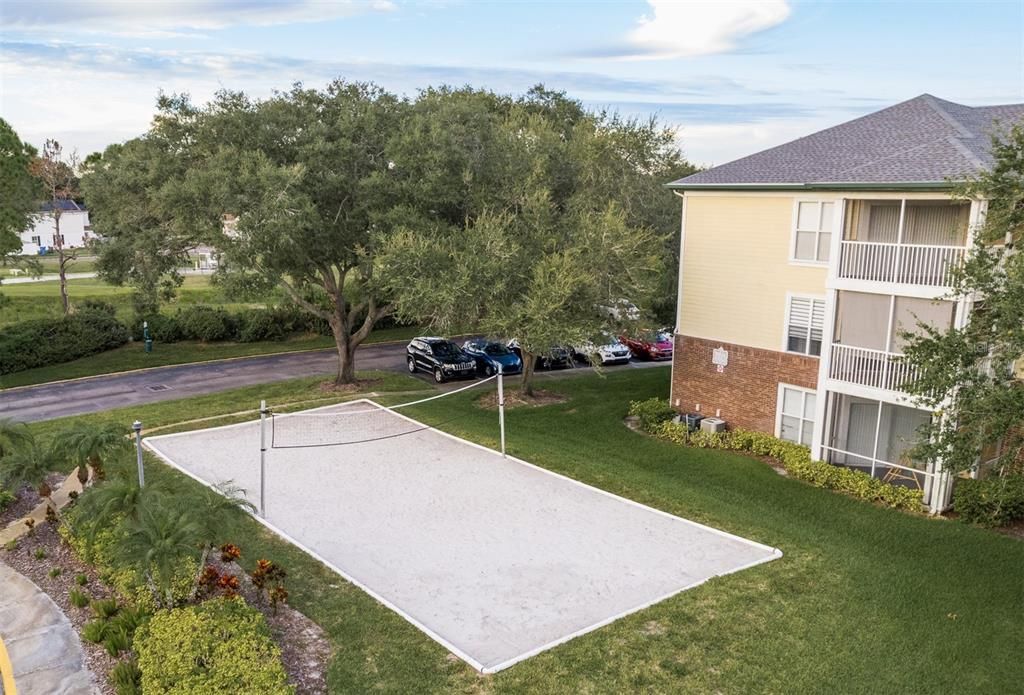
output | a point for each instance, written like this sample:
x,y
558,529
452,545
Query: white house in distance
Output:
x,y
74,227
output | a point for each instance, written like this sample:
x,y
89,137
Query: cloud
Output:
x,y
167,17
686,28
247,69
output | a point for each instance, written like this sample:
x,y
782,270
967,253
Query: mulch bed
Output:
x,y
305,649
517,399
332,389
58,554
27,499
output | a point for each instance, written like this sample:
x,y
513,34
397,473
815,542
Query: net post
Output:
x,y
263,458
501,405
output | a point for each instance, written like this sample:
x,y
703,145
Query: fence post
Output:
x,y
263,458
501,405
137,427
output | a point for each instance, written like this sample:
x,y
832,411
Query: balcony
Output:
x,y
874,368
907,264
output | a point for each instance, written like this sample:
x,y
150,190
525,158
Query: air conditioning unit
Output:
x,y
712,424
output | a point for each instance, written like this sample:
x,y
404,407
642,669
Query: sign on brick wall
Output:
x,y
720,358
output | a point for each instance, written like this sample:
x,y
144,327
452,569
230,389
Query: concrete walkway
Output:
x,y
42,645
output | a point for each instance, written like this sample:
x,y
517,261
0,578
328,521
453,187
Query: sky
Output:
x,y
732,77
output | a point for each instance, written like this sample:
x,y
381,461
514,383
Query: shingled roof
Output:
x,y
923,142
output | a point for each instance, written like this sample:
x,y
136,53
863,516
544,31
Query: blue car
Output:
x,y
489,355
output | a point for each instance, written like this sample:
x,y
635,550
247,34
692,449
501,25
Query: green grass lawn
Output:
x,y
35,300
865,599
134,356
84,264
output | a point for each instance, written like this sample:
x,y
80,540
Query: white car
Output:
x,y
610,352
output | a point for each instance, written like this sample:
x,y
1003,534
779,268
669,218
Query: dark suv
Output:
x,y
442,358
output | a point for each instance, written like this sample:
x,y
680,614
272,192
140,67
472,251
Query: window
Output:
x,y
56,242
37,240
796,414
805,319
812,237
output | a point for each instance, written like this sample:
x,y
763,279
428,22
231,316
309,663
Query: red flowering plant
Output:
x,y
229,552
268,578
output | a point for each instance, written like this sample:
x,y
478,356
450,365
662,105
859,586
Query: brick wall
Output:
x,y
746,391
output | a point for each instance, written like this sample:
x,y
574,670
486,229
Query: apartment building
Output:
x,y
801,265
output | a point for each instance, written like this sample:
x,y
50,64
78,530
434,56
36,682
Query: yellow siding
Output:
x,y
736,269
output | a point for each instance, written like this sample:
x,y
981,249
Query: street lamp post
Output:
x,y
137,427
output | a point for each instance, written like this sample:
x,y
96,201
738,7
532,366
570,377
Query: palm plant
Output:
x,y
12,435
89,445
29,464
156,543
117,499
218,513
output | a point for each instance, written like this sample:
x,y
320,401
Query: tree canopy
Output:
x,y
972,376
336,194
21,191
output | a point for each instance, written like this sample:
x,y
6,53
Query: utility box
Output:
x,y
692,421
712,424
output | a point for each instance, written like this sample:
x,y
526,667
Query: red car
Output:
x,y
654,345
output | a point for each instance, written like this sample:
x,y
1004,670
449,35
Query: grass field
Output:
x,y
84,264
865,600
134,356
42,299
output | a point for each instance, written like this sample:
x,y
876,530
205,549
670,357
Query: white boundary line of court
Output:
x,y
775,552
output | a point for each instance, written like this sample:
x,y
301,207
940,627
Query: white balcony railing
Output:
x,y
876,368
909,264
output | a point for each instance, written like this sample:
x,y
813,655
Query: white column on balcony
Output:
x,y
821,428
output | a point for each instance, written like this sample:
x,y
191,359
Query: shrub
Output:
x,y
652,412
104,608
6,497
81,579
55,572
126,677
794,458
40,554
79,599
162,328
97,305
116,640
42,342
95,631
206,323
221,645
100,550
993,501
256,325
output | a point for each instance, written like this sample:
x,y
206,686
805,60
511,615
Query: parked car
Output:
x,y
556,357
652,345
610,351
442,358
491,355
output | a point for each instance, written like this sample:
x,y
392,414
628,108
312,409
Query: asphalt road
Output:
x,y
94,394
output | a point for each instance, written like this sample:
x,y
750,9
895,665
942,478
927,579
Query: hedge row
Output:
x,y
42,342
655,417
219,646
993,501
213,324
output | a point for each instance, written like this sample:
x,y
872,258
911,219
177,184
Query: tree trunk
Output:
x,y
199,573
62,271
529,364
346,354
